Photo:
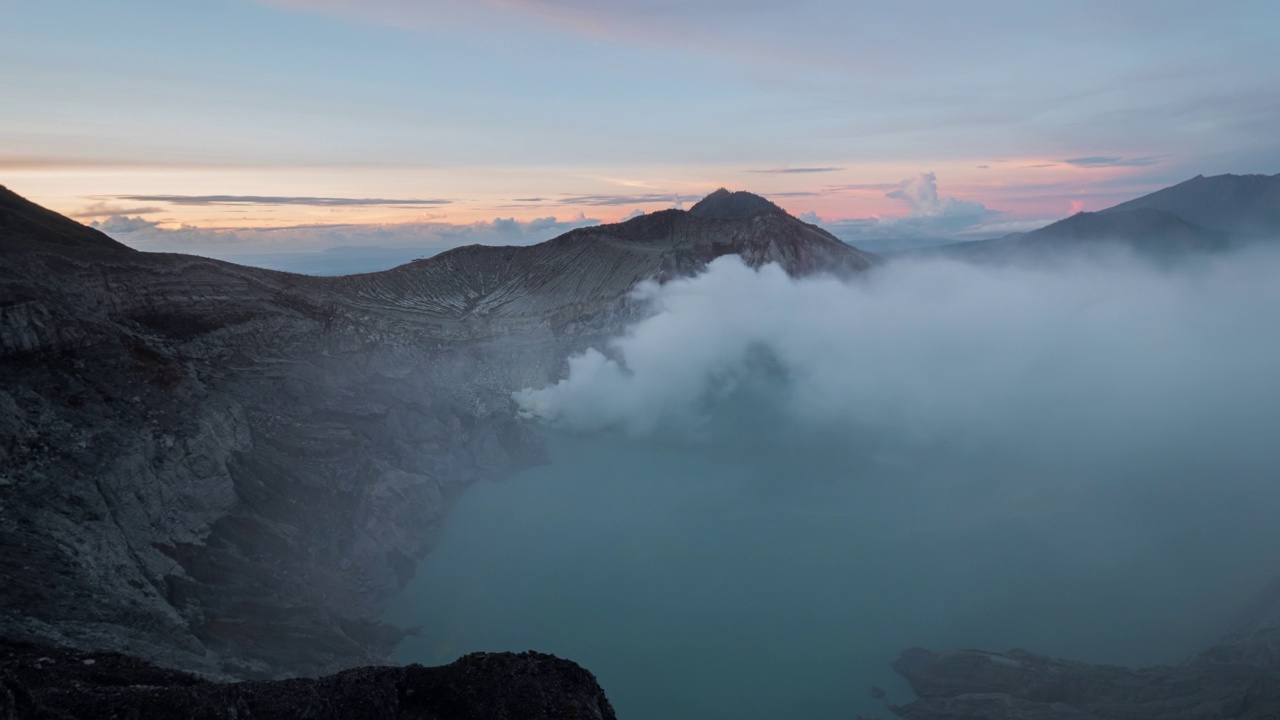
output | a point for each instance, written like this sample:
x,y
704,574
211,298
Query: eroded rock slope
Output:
x,y
230,470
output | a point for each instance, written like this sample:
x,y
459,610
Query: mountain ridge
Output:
x,y
1146,231
1200,215
241,466
723,204
1245,206
229,470
23,222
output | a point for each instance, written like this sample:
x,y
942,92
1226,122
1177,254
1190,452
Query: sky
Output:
x,y
228,127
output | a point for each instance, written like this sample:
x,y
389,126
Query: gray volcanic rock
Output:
x,y
725,205
232,481
1239,677
230,470
47,682
1018,685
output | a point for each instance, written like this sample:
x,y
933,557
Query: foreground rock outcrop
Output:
x,y
230,470
47,682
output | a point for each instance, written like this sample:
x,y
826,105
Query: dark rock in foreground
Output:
x,y
47,682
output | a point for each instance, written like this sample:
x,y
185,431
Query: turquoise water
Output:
x,y
764,580
1081,462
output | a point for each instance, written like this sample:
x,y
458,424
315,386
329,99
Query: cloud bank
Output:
x,y
931,216
938,350
1117,419
211,200
1078,459
416,239
921,195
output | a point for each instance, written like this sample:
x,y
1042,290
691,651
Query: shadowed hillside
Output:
x,y
1197,216
1243,206
230,470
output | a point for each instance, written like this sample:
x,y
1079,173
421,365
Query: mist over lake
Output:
x,y
640,360
762,494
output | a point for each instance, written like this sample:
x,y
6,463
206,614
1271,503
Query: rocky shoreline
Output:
x,y
1237,677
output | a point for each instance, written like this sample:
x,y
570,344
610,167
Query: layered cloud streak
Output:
x,y
415,239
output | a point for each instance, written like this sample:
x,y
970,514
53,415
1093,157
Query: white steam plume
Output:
x,y
940,350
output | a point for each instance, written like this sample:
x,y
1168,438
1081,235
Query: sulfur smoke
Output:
x,y
777,484
1103,351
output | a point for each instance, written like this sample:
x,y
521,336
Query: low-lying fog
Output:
x,y
764,492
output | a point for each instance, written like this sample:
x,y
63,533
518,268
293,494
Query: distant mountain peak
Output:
x,y
1141,224
1150,232
1244,206
726,205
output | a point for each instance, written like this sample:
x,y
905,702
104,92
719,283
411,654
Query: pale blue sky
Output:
x,y
598,109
